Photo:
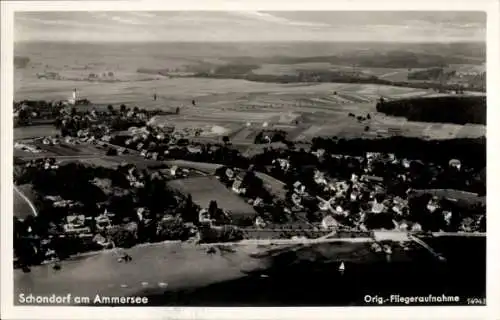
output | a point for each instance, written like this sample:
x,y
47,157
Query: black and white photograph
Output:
x,y
248,158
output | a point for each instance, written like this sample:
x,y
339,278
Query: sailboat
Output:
x,y
342,267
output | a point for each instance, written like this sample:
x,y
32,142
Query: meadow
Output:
x,y
205,189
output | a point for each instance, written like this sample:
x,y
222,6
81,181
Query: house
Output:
x,y
329,222
373,179
204,217
354,195
76,224
259,222
372,155
297,184
354,178
257,202
377,207
173,170
194,149
319,178
319,153
447,215
299,188
454,163
284,164
78,220
324,206
236,187
53,198
137,184
100,240
397,209
405,163
296,199
106,138
140,212
433,205
103,222
63,203
229,173
416,227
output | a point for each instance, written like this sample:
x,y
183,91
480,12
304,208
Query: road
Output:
x,y
28,201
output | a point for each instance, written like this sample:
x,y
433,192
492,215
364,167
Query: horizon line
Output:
x,y
248,41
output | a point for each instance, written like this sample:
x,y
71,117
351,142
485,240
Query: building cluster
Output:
x,y
362,200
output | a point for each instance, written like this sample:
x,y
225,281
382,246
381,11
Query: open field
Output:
x,y
29,132
62,150
205,189
225,106
457,195
65,149
391,74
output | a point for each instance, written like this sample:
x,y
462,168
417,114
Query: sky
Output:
x,y
223,26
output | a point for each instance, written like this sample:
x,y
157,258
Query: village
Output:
x,y
112,178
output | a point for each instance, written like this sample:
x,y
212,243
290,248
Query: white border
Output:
x,y
492,311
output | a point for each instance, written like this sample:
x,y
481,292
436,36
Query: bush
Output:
x,y
225,233
123,236
111,152
173,229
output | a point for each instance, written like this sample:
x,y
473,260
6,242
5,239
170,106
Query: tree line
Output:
x,y
449,109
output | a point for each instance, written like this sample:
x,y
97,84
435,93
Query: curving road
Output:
x,y
28,201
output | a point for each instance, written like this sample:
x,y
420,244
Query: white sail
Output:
x,y
342,266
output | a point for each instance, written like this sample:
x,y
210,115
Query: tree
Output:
x,y
177,110
111,152
172,229
212,208
231,233
136,109
110,108
189,211
123,237
123,108
258,138
225,139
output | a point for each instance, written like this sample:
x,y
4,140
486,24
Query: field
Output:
x,y
228,106
21,133
392,74
205,189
